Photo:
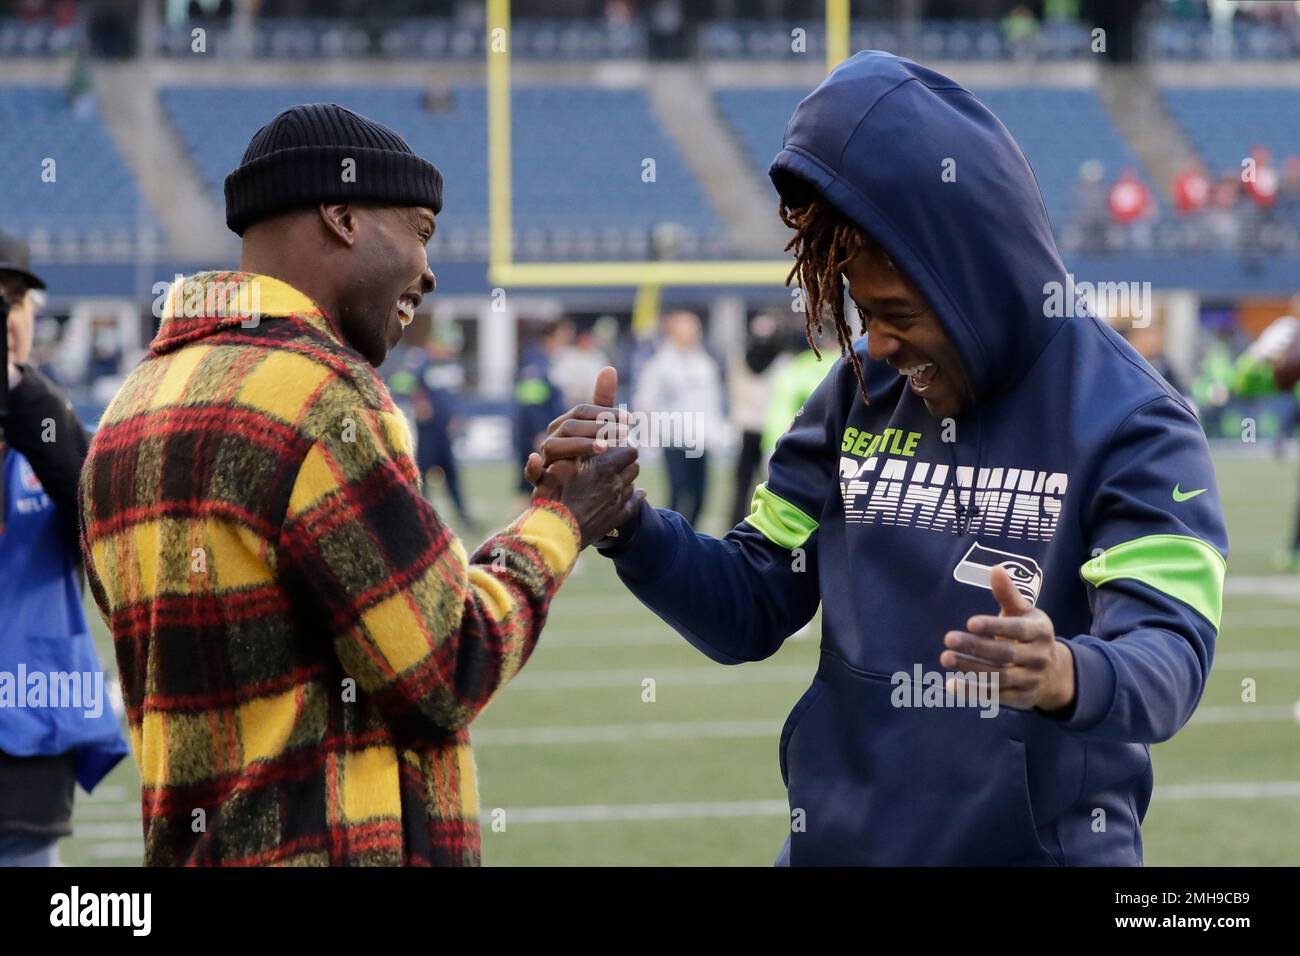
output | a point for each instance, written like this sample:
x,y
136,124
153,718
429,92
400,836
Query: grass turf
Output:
x,y
590,774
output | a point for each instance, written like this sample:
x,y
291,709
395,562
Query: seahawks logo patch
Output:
x,y
976,569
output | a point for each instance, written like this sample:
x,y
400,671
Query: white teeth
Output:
x,y
405,310
914,370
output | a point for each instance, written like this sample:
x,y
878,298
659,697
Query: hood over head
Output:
x,y
916,161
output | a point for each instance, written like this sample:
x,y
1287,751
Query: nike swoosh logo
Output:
x,y
1188,495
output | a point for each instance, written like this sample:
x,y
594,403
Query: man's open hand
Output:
x,y
1019,645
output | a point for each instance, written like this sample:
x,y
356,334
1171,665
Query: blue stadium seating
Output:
x,y
1193,40
1224,124
38,38
931,40
1057,128
93,202
578,153
421,38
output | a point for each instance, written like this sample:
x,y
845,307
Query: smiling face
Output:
x,y
903,331
388,276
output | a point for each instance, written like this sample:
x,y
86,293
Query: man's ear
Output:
x,y
340,220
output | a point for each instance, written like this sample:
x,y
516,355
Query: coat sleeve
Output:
x,y
44,427
739,597
1155,530
431,633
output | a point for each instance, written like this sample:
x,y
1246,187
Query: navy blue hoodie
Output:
x,y
1076,468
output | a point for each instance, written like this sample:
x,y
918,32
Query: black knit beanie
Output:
x,y
298,160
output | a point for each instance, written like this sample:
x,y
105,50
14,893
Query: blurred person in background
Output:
x,y
1149,341
47,746
794,383
682,377
1132,208
1222,217
1289,189
537,401
750,379
1271,366
1191,189
1020,30
1288,203
1212,387
1260,183
439,380
438,96
576,363
1090,213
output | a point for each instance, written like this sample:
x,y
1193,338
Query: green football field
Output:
x,y
588,772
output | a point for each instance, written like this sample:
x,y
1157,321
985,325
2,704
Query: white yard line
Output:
x,y
557,635
1226,791
106,831
1259,619
736,729
625,733
1242,714
721,676
641,811
106,793
715,676
117,851
565,635
1264,585
1265,660
604,812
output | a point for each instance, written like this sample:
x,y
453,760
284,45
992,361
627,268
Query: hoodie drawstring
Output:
x,y
968,512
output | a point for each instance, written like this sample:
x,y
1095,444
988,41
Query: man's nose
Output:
x,y
880,346
428,281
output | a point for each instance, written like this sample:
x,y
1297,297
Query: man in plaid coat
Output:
x,y
302,641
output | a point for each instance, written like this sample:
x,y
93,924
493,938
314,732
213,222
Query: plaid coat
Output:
x,y
302,642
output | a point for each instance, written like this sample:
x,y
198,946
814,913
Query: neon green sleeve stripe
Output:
x,y
1186,569
779,521
532,391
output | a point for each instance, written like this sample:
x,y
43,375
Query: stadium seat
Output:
x,y
1058,128
93,191
578,155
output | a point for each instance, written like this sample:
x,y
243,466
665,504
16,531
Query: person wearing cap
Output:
x,y
56,726
302,640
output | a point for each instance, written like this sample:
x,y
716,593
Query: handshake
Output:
x,y
584,464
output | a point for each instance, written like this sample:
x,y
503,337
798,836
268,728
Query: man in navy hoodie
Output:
x,y
992,482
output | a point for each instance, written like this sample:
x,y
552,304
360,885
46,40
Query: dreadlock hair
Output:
x,y
823,243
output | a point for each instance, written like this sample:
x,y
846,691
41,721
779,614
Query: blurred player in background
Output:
x,y
576,363
750,379
682,378
1150,344
1271,366
439,380
537,400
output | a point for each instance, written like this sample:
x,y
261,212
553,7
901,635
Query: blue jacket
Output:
x,y
1077,468
43,631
